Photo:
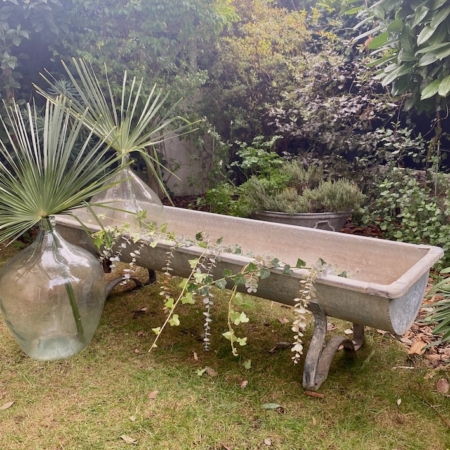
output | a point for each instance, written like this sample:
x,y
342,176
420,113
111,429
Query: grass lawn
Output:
x,y
116,395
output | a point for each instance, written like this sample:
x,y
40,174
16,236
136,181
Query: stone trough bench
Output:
x,y
384,289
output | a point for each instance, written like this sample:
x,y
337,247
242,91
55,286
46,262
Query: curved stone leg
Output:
x,y
113,283
319,356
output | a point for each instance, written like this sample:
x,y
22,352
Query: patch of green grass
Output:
x,y
116,388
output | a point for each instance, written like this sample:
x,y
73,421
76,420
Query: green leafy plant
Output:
x,y
438,314
304,191
414,211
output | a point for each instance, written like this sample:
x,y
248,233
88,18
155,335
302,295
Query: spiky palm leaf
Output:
x,y
126,127
36,178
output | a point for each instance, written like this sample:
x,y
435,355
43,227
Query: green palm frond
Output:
x,y
37,178
123,123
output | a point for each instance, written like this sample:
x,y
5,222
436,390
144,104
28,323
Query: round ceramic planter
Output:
x,y
321,221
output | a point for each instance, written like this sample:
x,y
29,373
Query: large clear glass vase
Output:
x,y
130,205
52,295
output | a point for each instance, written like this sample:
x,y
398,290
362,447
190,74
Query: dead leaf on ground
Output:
x,y
417,348
280,346
153,395
268,442
314,394
283,320
6,406
195,356
244,384
211,372
348,331
128,439
442,386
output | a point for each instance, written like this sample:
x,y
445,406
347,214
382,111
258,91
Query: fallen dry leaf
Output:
x,y
140,333
399,402
417,348
128,439
283,320
6,406
244,384
211,372
268,442
442,386
153,395
195,356
280,346
314,394
137,351
348,331
314,421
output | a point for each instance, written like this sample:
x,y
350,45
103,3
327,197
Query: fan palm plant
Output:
x,y
135,123
37,178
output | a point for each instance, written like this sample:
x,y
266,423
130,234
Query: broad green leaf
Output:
x,y
425,34
379,41
427,59
264,273
438,3
443,52
444,87
440,17
354,10
432,48
395,26
430,90
421,13
380,61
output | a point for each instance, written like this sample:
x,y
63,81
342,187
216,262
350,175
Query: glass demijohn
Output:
x,y
52,295
135,204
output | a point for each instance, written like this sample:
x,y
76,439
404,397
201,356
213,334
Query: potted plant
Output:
x,y
52,292
301,196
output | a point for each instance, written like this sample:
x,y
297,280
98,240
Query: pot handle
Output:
x,y
324,222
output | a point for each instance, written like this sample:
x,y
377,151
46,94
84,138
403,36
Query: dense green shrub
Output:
x,y
414,211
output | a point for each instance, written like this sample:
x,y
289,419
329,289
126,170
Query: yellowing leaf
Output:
x,y
153,395
417,348
442,386
6,406
128,439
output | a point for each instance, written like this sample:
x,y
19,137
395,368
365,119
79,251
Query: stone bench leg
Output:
x,y
320,356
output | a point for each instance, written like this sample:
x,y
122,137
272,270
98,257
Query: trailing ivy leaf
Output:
x,y
221,284
287,270
174,321
193,262
227,273
239,279
170,303
264,273
241,341
156,330
188,299
300,263
248,364
199,237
